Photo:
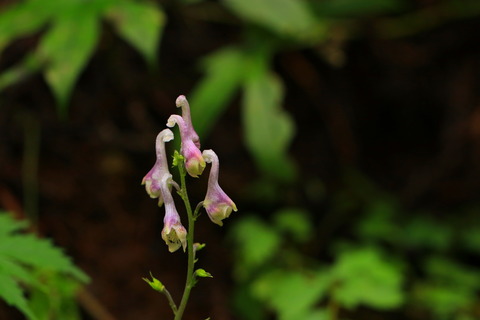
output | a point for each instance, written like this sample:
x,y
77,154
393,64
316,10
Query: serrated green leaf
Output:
x,y
43,270
140,24
67,46
292,18
18,271
8,225
38,253
225,71
20,19
55,299
11,292
268,128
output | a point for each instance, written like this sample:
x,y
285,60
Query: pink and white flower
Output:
x,y
174,233
152,179
217,204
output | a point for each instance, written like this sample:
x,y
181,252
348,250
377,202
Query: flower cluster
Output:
x,y
158,181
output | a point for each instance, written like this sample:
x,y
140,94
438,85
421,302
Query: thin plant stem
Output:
x,y
170,300
190,282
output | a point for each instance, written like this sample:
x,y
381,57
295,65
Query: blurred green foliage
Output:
x,y
70,31
386,260
35,266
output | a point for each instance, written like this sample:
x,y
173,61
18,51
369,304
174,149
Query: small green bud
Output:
x,y
202,273
177,158
155,283
198,246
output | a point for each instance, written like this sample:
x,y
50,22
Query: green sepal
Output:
x,y
155,283
202,273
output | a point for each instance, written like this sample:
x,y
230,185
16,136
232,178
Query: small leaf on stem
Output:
x,y
202,273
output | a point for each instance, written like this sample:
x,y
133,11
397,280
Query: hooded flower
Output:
x,y
174,233
182,102
217,204
190,146
153,178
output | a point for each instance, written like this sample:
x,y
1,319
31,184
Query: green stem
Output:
x,y
170,300
191,254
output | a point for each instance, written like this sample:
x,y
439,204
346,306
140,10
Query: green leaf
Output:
x,y
318,314
295,222
28,66
365,277
471,238
256,243
292,294
453,273
55,299
292,18
67,47
12,293
41,269
203,274
21,19
18,272
8,225
39,253
380,223
268,128
444,301
424,232
225,71
140,24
